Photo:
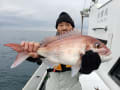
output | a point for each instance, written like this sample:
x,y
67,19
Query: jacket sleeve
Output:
x,y
90,61
35,60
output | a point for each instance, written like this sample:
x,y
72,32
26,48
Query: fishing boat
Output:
x,y
104,24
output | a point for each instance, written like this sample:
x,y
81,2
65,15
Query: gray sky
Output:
x,y
38,14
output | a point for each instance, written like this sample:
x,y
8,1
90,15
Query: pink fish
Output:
x,y
64,49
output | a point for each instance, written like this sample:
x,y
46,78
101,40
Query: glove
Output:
x,y
90,61
37,60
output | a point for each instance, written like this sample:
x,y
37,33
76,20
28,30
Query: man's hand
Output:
x,y
90,61
31,47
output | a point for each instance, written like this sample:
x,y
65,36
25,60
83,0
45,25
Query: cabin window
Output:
x,y
115,72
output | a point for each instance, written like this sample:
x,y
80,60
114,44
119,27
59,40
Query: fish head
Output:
x,y
99,47
91,43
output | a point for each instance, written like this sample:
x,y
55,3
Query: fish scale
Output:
x,y
64,49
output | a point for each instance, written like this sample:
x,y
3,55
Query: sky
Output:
x,y
38,14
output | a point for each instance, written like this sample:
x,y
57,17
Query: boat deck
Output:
x,y
88,82
37,78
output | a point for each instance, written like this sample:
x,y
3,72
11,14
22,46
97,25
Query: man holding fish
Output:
x,y
68,51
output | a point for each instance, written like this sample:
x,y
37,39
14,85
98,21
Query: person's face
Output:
x,y
64,27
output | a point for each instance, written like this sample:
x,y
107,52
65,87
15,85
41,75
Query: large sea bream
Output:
x,y
64,49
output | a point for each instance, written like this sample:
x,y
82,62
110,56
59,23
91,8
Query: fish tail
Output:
x,y
22,56
18,48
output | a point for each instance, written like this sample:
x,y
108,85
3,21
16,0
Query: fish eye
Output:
x,y
97,45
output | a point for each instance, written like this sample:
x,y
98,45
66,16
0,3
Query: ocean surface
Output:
x,y
15,79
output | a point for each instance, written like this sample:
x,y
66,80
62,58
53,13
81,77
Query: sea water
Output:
x,y
15,79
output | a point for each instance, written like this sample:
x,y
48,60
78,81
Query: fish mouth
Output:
x,y
105,56
105,53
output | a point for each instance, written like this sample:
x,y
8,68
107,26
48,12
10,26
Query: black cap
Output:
x,y
64,17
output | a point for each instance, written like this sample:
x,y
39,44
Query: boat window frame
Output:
x,y
113,72
103,4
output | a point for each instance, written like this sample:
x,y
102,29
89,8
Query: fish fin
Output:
x,y
48,63
75,70
82,51
70,33
19,59
48,40
16,47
